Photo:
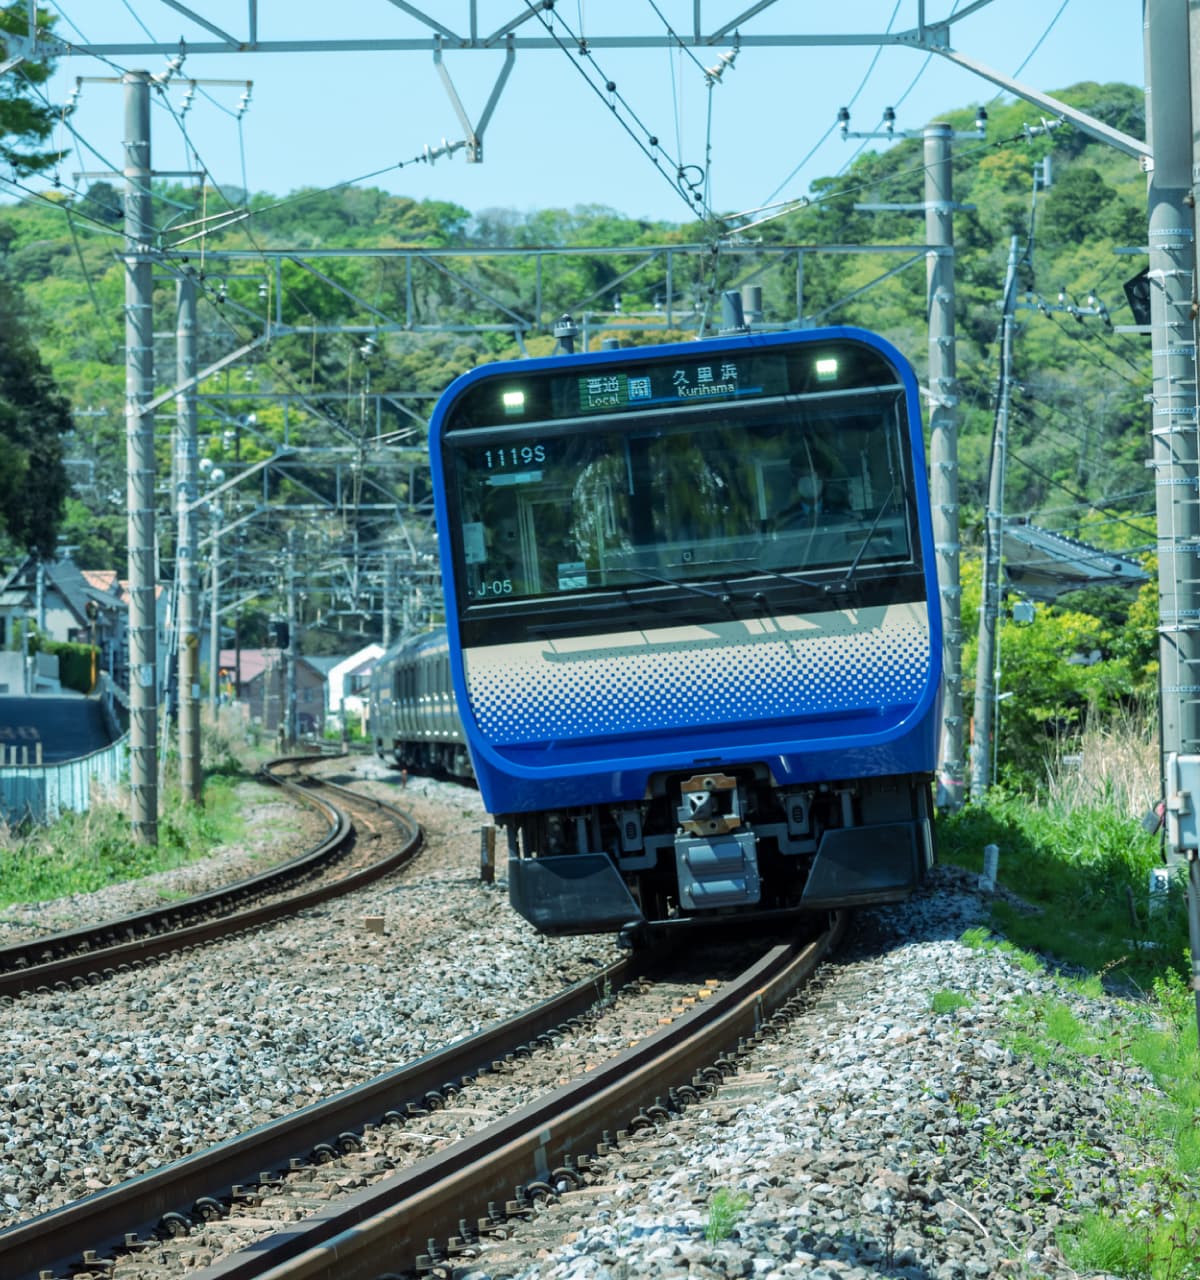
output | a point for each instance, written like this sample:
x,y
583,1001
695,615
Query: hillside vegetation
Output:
x,y
1079,426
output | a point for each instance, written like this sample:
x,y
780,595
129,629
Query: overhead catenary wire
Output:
x,y
137,18
167,262
650,142
875,183
683,192
820,142
1080,498
1080,437
76,216
1083,333
101,314
803,202
683,48
1041,39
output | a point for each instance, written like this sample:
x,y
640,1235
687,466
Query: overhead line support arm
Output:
x,y
474,132
1080,119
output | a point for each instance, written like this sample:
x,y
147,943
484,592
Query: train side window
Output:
x,y
407,688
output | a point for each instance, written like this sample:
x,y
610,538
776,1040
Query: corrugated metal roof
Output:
x,y
1046,565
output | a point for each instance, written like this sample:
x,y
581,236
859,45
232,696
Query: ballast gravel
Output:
x,y
872,1136
101,1084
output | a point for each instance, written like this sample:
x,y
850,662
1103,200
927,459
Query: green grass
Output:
x,y
724,1210
1154,1232
1077,880
1159,1248
948,1001
83,852
1081,877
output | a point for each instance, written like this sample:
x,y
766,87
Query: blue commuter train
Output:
x,y
692,626
413,717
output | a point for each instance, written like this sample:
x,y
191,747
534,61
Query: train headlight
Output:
x,y
513,402
827,369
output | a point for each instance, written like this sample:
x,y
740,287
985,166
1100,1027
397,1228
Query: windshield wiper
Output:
x,y
722,597
848,577
834,586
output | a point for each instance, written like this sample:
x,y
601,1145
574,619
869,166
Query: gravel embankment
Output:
x,y
101,1084
873,1137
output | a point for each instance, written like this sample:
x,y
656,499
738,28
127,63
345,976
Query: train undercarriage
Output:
x,y
720,842
443,759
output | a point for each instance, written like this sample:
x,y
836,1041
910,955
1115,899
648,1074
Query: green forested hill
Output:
x,y
1079,425
1079,422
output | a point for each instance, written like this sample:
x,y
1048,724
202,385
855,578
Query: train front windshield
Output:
x,y
727,504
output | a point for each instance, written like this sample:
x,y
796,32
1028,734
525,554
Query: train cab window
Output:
x,y
606,508
586,511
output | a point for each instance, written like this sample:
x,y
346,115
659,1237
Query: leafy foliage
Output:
x,y
76,662
34,419
1071,663
26,118
33,416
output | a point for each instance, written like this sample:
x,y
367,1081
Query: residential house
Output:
x,y
262,685
350,684
67,603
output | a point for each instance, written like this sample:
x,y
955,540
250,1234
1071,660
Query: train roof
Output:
x,y
411,646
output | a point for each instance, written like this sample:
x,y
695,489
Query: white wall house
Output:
x,y
350,682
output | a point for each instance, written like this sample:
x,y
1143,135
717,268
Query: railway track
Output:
x,y
282,1189
366,839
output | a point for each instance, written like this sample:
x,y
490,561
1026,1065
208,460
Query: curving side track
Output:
x,y
88,955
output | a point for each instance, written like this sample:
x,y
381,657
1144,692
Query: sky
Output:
x,y
763,131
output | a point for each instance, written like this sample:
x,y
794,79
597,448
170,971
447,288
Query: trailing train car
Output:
x,y
692,625
413,717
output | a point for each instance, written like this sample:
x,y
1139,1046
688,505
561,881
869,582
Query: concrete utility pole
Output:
x,y
986,675
139,459
293,644
1173,126
214,621
387,598
185,502
943,444
939,208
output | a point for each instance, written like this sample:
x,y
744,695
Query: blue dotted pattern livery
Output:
x,y
867,660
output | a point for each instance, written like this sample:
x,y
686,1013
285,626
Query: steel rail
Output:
x,y
161,919
57,1240
82,966
387,1227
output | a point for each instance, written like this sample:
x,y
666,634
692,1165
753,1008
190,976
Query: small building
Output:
x,y
350,684
69,604
262,685
1045,565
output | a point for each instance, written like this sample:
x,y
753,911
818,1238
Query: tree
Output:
x,y
34,418
27,119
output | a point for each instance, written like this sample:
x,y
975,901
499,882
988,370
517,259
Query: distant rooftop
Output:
x,y
1046,565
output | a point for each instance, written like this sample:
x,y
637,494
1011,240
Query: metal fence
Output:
x,y
41,792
